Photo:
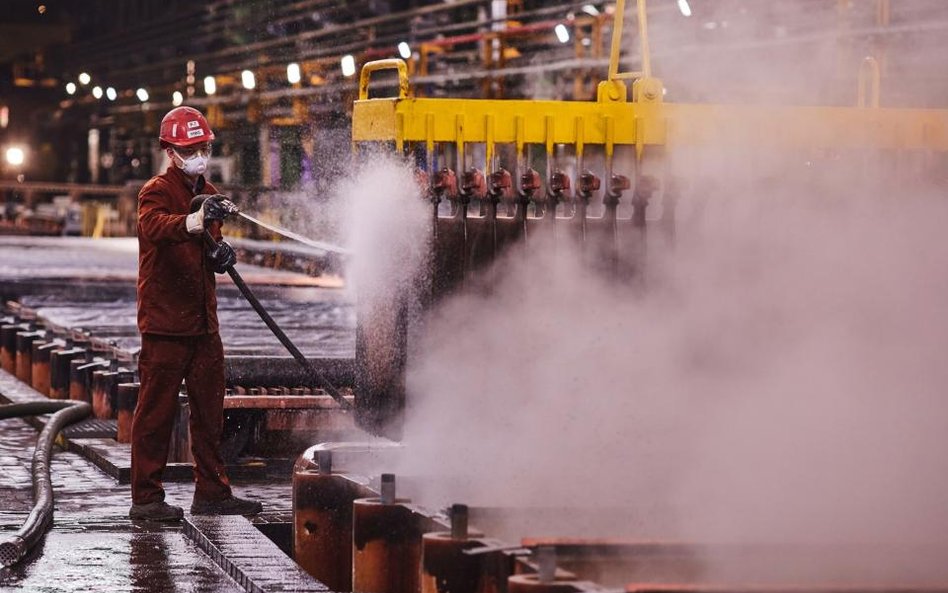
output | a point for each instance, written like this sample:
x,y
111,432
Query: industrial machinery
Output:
x,y
584,175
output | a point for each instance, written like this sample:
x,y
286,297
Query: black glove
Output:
x,y
213,207
221,257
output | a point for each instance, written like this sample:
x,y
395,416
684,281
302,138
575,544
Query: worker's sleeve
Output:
x,y
155,222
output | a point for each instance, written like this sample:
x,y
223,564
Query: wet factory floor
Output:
x,y
93,546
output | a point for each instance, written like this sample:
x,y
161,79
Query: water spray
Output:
x,y
291,235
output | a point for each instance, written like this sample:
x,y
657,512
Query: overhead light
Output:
x,y
590,10
562,33
177,98
111,94
71,88
142,95
684,7
293,74
348,65
404,50
210,85
248,80
97,92
16,156
84,78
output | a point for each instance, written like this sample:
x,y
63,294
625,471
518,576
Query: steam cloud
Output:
x,y
781,379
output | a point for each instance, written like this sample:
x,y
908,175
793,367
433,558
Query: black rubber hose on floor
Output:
x,y
14,547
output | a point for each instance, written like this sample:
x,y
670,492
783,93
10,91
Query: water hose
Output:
x,y
231,210
309,367
14,547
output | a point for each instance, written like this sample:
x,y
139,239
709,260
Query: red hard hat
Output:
x,y
184,126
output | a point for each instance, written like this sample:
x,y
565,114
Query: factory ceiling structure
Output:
x,y
117,66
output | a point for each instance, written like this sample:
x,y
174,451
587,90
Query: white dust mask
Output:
x,y
196,165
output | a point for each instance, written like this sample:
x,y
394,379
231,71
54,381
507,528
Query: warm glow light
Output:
x,y
348,65
16,156
562,33
248,80
684,7
111,94
142,95
210,85
293,74
404,50
97,92
177,98
71,88
84,78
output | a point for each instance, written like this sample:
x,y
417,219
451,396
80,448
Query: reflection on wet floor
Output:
x,y
92,545
141,559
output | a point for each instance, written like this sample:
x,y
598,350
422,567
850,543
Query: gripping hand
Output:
x,y
206,209
221,257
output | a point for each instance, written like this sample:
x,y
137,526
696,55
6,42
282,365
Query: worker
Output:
x,y
177,318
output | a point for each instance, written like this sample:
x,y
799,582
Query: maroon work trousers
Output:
x,y
163,363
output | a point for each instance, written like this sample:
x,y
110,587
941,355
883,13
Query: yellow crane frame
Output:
x,y
643,120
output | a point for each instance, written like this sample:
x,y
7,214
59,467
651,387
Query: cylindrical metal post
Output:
x,y
322,526
386,554
8,345
80,381
101,404
459,516
39,378
24,353
77,385
59,371
445,566
546,564
387,489
125,403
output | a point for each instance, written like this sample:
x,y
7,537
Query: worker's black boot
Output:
x,y
156,511
228,506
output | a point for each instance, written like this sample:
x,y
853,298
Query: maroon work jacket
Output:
x,y
176,286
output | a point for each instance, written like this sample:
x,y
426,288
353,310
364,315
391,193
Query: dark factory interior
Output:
x,y
474,296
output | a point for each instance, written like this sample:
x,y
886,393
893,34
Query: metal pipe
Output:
x,y
387,489
15,546
546,564
459,518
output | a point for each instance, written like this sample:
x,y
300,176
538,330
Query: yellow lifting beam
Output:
x,y
645,120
